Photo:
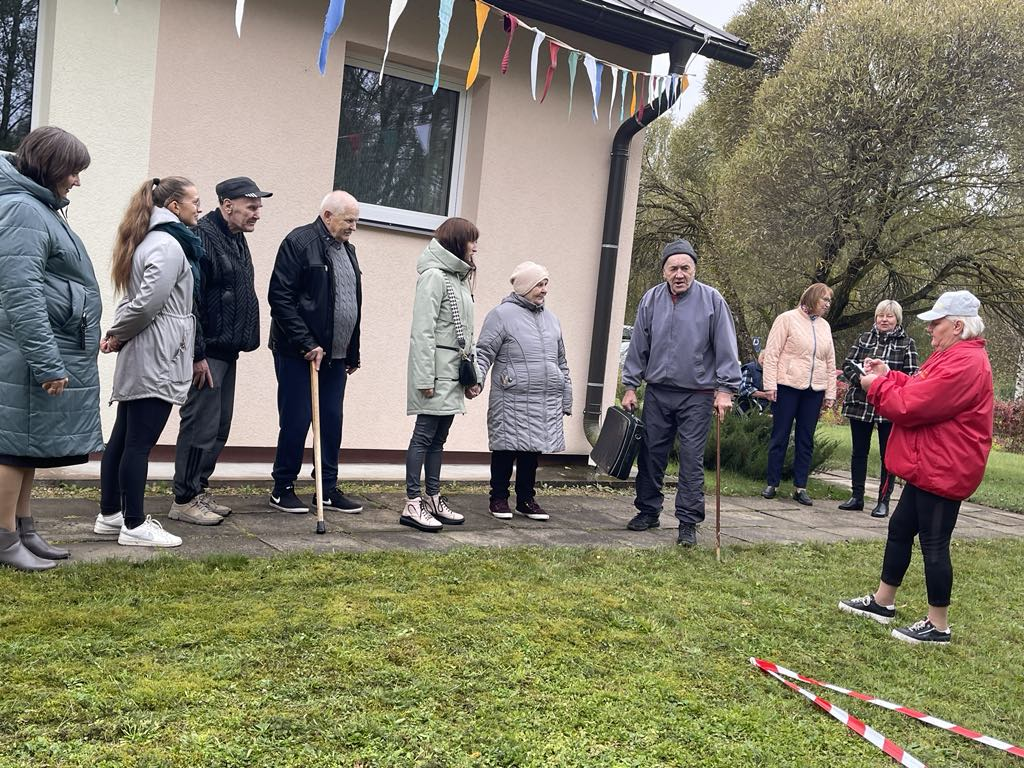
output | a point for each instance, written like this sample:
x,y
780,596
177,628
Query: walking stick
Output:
x,y
718,488
318,462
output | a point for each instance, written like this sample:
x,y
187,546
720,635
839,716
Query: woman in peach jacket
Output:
x,y
799,373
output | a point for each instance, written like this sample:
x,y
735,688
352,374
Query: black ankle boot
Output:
x,y
881,508
36,544
16,555
855,503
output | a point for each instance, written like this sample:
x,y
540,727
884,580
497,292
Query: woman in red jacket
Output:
x,y
941,437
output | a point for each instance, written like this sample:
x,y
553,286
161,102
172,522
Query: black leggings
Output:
x,y
526,474
931,518
125,464
860,432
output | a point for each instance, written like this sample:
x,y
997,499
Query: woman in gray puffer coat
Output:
x,y
49,333
441,335
531,390
155,266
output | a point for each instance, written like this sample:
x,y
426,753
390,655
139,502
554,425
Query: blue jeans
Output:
x,y
803,407
295,415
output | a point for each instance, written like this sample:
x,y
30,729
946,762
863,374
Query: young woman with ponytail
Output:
x,y
155,268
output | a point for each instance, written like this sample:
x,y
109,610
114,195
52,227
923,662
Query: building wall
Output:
x,y
176,92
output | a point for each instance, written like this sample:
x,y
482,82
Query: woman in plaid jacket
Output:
x,y
889,342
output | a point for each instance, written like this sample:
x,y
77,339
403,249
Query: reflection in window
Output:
x,y
396,142
18,20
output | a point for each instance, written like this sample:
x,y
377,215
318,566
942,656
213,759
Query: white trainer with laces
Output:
x,y
218,509
415,515
108,525
149,534
438,507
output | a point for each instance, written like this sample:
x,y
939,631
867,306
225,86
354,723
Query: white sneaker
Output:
x,y
195,512
438,507
108,525
416,516
207,499
149,534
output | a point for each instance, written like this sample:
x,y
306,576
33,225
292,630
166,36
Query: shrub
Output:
x,y
745,447
1008,426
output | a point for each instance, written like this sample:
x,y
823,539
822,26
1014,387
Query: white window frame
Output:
x,y
400,217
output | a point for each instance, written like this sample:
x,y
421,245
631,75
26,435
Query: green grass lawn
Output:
x,y
517,657
1003,486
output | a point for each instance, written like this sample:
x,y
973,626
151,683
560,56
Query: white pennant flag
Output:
x,y
615,80
397,6
533,62
590,64
239,10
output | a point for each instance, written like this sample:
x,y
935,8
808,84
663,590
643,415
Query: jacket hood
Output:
x,y
12,182
522,301
436,256
161,216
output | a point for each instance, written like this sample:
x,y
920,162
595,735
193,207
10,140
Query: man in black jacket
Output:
x,y
227,323
316,298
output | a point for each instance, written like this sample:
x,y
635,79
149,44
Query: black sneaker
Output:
x,y
287,501
769,492
642,521
687,535
336,501
867,607
922,632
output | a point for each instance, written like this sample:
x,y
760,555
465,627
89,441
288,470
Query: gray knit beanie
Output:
x,y
678,246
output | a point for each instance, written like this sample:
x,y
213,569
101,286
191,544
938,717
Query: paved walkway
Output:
x,y
597,521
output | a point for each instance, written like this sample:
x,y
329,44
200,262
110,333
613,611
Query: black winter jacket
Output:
x,y
302,295
227,310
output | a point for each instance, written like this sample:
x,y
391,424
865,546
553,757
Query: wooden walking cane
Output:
x,y
718,487
318,462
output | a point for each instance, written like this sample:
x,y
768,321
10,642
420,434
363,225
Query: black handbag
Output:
x,y
467,361
618,443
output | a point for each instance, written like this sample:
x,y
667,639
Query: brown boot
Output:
x,y
16,555
36,544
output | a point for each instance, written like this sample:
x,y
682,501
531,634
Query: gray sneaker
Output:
x,y
207,499
195,512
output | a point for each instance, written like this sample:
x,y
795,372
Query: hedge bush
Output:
x,y
1008,426
745,442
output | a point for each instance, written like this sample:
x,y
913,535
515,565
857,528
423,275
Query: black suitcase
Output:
x,y
618,443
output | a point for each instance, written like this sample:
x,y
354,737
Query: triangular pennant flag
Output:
x,y
574,57
553,50
533,62
444,18
335,13
615,82
594,73
115,8
397,8
474,66
622,97
239,10
632,101
597,91
509,22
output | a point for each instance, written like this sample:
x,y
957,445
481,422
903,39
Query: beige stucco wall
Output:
x,y
221,106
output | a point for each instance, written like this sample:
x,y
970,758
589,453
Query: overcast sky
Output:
x,y
714,12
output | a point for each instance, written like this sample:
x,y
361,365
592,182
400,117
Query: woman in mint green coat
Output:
x,y
49,335
442,327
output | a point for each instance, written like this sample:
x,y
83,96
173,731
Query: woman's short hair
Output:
x,y
974,327
890,306
455,235
814,293
50,154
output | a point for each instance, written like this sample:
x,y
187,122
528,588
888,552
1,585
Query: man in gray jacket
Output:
x,y
684,347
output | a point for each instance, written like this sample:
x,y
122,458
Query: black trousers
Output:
x,y
526,474
931,518
860,432
125,465
426,453
793,405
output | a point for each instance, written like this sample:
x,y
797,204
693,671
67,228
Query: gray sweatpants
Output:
x,y
205,425
669,413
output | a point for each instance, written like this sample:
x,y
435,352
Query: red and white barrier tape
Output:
x,y
776,671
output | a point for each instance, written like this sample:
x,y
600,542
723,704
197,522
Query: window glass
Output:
x,y
18,21
396,143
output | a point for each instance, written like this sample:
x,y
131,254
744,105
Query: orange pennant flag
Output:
x,y
632,101
474,66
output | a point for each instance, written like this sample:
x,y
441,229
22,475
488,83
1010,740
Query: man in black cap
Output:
x,y
684,346
227,323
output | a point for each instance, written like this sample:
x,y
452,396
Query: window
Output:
x,y
400,146
18,22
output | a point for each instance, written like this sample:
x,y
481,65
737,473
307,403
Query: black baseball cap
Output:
x,y
240,186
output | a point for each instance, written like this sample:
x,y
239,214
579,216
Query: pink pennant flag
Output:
x,y
509,22
553,50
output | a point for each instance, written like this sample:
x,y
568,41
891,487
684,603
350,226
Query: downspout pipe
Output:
x,y
679,56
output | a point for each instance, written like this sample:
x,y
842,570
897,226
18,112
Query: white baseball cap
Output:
x,y
956,303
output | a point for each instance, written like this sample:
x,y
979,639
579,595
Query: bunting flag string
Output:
x,y
509,22
553,50
574,57
537,40
482,12
335,13
239,11
444,18
397,8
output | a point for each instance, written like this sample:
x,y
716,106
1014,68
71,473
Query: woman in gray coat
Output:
x,y
442,333
531,390
49,333
156,267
